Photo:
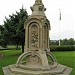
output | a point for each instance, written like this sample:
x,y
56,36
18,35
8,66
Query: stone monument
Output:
x,y
34,60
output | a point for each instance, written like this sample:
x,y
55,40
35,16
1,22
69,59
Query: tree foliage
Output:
x,y
3,41
14,27
63,42
67,41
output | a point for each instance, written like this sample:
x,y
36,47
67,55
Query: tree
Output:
x,y
14,28
63,42
71,41
3,41
54,42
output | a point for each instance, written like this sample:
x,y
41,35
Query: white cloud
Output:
x,y
67,16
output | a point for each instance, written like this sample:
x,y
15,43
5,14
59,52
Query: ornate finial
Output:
x,y
38,2
38,8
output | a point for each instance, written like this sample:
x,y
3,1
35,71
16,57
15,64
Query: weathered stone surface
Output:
x,y
34,60
59,70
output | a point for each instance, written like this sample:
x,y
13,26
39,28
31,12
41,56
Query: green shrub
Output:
x,y
62,48
53,47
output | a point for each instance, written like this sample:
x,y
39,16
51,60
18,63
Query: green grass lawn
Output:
x,y
11,56
66,58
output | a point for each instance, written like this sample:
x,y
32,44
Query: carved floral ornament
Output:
x,y
34,35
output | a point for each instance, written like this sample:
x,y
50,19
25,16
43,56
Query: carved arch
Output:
x,y
24,56
33,35
48,23
27,23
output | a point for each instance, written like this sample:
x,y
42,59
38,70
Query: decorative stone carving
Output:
x,y
38,1
45,31
33,36
32,9
40,8
34,60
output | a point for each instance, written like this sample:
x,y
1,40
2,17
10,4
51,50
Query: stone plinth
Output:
x,y
59,70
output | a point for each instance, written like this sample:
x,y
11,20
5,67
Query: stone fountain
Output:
x,y
34,60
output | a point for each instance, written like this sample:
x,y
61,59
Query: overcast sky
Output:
x,y
67,27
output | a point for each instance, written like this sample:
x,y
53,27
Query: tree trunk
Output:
x,y
17,47
23,47
23,41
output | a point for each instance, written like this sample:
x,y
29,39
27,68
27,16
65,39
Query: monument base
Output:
x,y
59,70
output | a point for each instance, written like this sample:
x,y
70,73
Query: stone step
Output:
x,y
60,70
68,70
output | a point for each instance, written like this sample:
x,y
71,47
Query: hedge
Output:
x,y
62,48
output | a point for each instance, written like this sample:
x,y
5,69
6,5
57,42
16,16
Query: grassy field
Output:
x,y
65,58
